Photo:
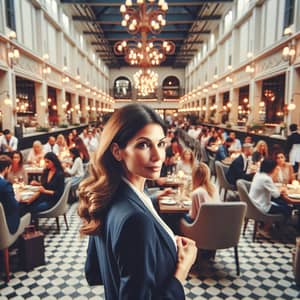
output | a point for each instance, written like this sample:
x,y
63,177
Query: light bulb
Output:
x,y
122,8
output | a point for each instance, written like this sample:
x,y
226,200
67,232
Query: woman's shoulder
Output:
x,y
200,190
123,214
78,159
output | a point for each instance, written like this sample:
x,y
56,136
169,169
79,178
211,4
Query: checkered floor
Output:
x,y
266,269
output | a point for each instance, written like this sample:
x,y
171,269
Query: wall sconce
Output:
x,y
13,52
291,106
289,52
7,101
228,79
65,79
250,68
46,69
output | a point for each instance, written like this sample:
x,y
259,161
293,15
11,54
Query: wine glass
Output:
x,y
21,180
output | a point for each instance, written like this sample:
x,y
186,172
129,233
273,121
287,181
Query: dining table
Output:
x,y
171,206
34,172
24,192
172,209
293,193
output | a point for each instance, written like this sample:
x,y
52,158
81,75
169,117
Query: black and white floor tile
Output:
x,y
266,269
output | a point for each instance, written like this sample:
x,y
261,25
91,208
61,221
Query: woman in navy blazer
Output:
x,y
131,251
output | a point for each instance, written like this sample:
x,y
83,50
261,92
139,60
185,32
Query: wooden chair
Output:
x,y
59,209
7,239
253,212
217,226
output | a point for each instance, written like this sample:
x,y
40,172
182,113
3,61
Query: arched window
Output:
x,y
171,87
122,88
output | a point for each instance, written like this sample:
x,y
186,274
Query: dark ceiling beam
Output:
x,y
119,3
171,19
87,32
179,42
168,28
178,38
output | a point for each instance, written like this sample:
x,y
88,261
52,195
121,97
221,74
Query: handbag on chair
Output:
x,y
32,250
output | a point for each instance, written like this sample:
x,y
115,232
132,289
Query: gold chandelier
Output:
x,y
143,20
144,53
145,81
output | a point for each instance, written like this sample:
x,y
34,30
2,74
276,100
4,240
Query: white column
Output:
x,y
234,100
251,101
61,100
74,105
293,92
8,85
41,103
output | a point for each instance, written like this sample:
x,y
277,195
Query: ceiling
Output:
x,y
189,24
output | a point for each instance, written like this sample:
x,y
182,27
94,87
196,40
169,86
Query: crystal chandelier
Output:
x,y
143,20
145,81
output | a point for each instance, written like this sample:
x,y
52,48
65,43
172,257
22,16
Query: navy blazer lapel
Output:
x,y
133,197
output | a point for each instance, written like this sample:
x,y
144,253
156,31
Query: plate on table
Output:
x,y
295,196
26,194
33,188
167,201
187,202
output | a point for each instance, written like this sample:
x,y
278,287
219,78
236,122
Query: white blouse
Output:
x,y
148,203
262,190
77,168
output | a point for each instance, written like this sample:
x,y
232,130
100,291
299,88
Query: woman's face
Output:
x,y
37,149
16,158
262,147
280,158
144,154
49,164
187,156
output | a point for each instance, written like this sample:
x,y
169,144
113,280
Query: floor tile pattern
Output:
x,y
266,269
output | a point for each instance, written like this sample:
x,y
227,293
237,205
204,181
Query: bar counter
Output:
x,y
271,140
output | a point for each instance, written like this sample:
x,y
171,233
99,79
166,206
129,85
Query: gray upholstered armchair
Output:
x,y
253,212
7,239
217,226
59,209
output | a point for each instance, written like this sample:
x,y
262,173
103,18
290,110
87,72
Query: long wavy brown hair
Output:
x,y
105,172
201,177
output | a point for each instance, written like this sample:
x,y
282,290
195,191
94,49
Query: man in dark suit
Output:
x,y
7,196
238,168
293,146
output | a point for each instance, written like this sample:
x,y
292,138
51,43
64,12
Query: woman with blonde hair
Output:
x,y
36,153
260,151
203,190
62,144
131,250
186,163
